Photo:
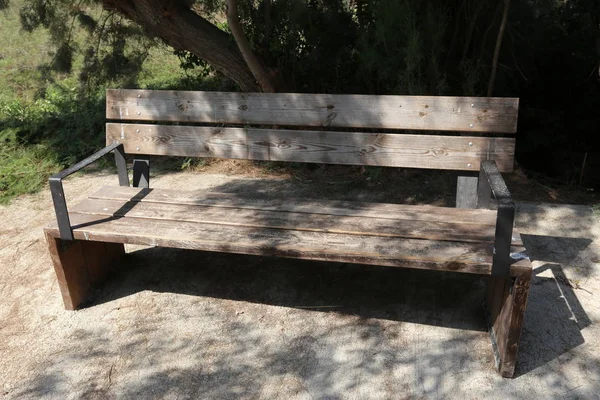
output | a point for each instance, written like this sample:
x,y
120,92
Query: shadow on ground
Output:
x,y
263,327
554,316
425,297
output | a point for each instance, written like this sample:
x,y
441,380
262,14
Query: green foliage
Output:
x,y
401,49
309,44
61,119
57,57
23,169
50,119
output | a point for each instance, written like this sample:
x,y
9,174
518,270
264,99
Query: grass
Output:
x,y
20,57
45,122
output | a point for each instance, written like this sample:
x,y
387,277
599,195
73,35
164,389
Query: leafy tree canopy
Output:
x,y
549,56
378,46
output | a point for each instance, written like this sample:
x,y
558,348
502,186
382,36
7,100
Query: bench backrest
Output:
x,y
302,127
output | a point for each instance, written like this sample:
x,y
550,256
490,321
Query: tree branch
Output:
x,y
180,27
262,77
498,46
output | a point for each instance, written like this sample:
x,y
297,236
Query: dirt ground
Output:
x,y
174,324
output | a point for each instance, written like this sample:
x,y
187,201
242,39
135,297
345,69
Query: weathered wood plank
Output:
x,y
471,114
350,225
351,148
71,270
80,265
413,253
95,256
506,302
291,204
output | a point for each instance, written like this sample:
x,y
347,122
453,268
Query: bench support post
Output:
x,y
80,266
506,302
141,172
466,191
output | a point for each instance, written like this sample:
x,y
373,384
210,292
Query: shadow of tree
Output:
x,y
265,327
359,343
333,328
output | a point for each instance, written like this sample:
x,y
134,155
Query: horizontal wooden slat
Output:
x,y
355,148
296,205
470,114
375,250
400,214
290,220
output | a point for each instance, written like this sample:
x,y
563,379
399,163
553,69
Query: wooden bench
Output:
x,y
87,239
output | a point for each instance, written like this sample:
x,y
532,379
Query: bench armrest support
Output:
x,y
492,183
58,194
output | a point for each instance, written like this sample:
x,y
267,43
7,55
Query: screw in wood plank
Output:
x,y
471,144
137,130
139,96
137,148
139,113
470,125
469,165
472,105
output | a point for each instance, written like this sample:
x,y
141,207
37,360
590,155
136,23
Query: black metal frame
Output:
x,y
492,183
141,172
58,194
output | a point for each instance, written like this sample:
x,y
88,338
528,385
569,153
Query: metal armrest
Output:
x,y
58,194
492,183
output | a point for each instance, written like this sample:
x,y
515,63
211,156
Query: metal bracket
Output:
x,y
58,194
141,172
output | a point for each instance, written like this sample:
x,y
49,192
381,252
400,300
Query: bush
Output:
x,y
41,137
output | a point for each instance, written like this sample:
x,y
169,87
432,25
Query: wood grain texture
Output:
x,y
506,304
352,248
290,220
352,148
95,256
80,266
403,215
471,114
388,251
297,205
71,270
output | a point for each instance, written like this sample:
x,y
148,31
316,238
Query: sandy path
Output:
x,y
177,324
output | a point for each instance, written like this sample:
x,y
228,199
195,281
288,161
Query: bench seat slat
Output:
x,y
250,218
386,251
291,204
414,253
350,148
470,114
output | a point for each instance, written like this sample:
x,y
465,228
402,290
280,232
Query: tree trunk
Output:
x,y
258,70
498,46
180,27
471,29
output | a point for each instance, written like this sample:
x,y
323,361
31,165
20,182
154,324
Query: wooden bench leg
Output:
x,y
80,266
506,302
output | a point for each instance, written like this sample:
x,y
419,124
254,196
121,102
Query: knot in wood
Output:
x,y
440,152
366,150
283,145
